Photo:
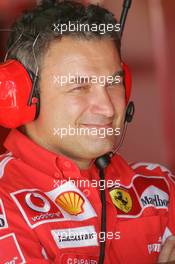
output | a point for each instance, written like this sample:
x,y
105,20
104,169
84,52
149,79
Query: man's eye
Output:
x,y
116,84
119,82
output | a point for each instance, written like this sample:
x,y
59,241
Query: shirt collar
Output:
x,y
38,157
50,163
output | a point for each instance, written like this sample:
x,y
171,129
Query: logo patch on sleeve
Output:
x,y
143,192
10,251
75,237
3,219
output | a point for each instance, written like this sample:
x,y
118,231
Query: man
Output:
x,y
50,186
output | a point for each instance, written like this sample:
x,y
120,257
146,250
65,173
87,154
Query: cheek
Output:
x,y
119,101
77,106
62,110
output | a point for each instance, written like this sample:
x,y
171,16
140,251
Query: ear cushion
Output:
x,y
15,89
127,81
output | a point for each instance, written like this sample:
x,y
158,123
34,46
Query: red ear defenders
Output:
x,y
19,102
16,87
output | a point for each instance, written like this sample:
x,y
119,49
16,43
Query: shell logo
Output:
x,y
71,202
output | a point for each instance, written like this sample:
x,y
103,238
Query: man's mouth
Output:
x,y
97,126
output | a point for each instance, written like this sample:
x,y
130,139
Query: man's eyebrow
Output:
x,y
80,79
85,79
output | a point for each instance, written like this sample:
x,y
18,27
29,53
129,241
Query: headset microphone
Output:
x,y
103,161
130,110
126,6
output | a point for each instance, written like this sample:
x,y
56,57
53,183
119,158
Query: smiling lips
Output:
x,y
109,125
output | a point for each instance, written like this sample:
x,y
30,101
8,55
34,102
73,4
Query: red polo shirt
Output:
x,y
50,211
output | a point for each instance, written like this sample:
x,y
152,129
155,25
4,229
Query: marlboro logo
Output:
x,y
155,197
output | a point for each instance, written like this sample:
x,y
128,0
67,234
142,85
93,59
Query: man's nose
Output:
x,y
102,103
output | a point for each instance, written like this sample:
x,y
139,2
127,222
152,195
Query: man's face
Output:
x,y
80,104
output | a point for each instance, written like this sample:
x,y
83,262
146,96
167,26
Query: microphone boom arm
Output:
x,y
126,6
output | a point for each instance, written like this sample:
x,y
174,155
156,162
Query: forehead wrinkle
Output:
x,y
85,58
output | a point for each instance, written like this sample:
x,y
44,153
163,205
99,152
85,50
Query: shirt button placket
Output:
x,y
67,164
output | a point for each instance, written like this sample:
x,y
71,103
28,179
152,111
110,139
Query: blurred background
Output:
x,y
148,47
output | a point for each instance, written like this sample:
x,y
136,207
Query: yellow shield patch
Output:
x,y
121,199
72,202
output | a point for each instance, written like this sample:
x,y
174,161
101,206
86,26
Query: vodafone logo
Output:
x,y
36,207
43,209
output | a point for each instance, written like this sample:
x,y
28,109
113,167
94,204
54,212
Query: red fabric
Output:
x,y
3,134
36,208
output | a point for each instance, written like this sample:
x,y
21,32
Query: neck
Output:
x,y
81,163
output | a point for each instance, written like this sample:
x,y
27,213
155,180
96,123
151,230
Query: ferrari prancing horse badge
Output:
x,y
121,199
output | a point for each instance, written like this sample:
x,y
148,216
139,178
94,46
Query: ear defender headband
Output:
x,y
19,99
